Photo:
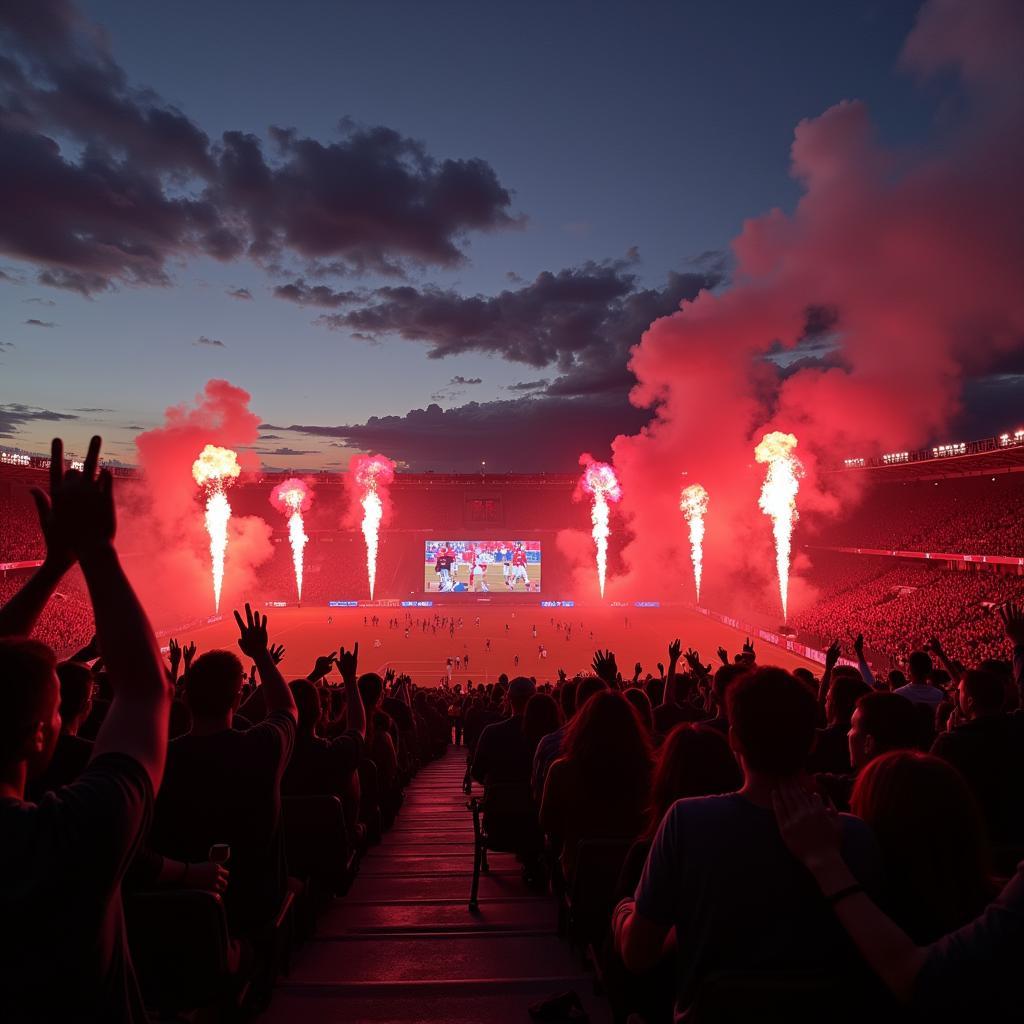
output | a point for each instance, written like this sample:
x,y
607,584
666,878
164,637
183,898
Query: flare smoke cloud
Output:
x,y
852,320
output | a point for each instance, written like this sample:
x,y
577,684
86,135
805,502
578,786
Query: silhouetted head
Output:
x,y
586,688
609,746
642,706
540,718
520,690
932,837
772,722
693,761
213,685
29,705
307,703
725,677
981,694
847,688
881,722
76,687
371,688
919,665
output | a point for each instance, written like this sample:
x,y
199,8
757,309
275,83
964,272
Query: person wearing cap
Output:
x,y
503,753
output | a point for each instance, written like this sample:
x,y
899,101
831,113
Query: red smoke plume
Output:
x,y
163,517
911,265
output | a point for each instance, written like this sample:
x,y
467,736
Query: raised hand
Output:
x,y
174,654
723,655
276,652
808,827
604,666
252,637
1013,621
637,670
348,662
324,664
77,516
189,651
748,647
858,645
693,660
561,675
389,676
832,656
674,649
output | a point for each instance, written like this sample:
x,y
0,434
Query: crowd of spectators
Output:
x,y
964,515
729,840
163,825
901,605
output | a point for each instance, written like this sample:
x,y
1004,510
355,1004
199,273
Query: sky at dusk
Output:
x,y
433,230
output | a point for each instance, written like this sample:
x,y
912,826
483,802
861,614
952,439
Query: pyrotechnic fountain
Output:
x,y
778,499
693,503
214,471
293,497
601,483
372,475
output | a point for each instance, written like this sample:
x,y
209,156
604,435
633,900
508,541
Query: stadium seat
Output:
x,y
317,845
505,821
182,953
590,898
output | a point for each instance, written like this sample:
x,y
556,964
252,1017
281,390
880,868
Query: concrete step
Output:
x,y
536,914
444,957
496,1003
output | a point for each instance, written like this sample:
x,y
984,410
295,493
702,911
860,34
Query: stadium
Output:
x,y
935,544
511,513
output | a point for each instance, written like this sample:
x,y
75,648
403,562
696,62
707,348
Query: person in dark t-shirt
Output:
x,y
719,860
63,952
224,786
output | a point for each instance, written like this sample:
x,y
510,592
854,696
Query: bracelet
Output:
x,y
851,890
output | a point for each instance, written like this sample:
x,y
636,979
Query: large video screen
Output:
x,y
481,566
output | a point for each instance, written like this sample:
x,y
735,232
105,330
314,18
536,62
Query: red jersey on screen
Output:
x,y
519,558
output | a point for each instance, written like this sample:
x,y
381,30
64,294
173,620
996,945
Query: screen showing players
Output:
x,y
482,566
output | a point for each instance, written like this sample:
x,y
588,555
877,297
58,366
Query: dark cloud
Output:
x,y
92,410
269,437
581,321
13,416
991,404
316,295
527,385
211,342
40,302
33,322
555,431
239,293
459,379
104,183
6,344
285,451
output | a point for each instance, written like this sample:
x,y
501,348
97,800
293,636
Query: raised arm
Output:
x,y
20,614
862,662
1013,622
831,659
812,835
347,666
82,508
253,642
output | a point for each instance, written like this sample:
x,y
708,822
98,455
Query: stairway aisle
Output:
x,y
403,945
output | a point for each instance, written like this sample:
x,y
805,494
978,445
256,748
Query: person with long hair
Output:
x,y
692,761
541,718
601,787
932,837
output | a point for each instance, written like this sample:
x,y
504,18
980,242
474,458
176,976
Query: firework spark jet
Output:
x,y
693,503
214,471
292,498
372,474
601,483
778,499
